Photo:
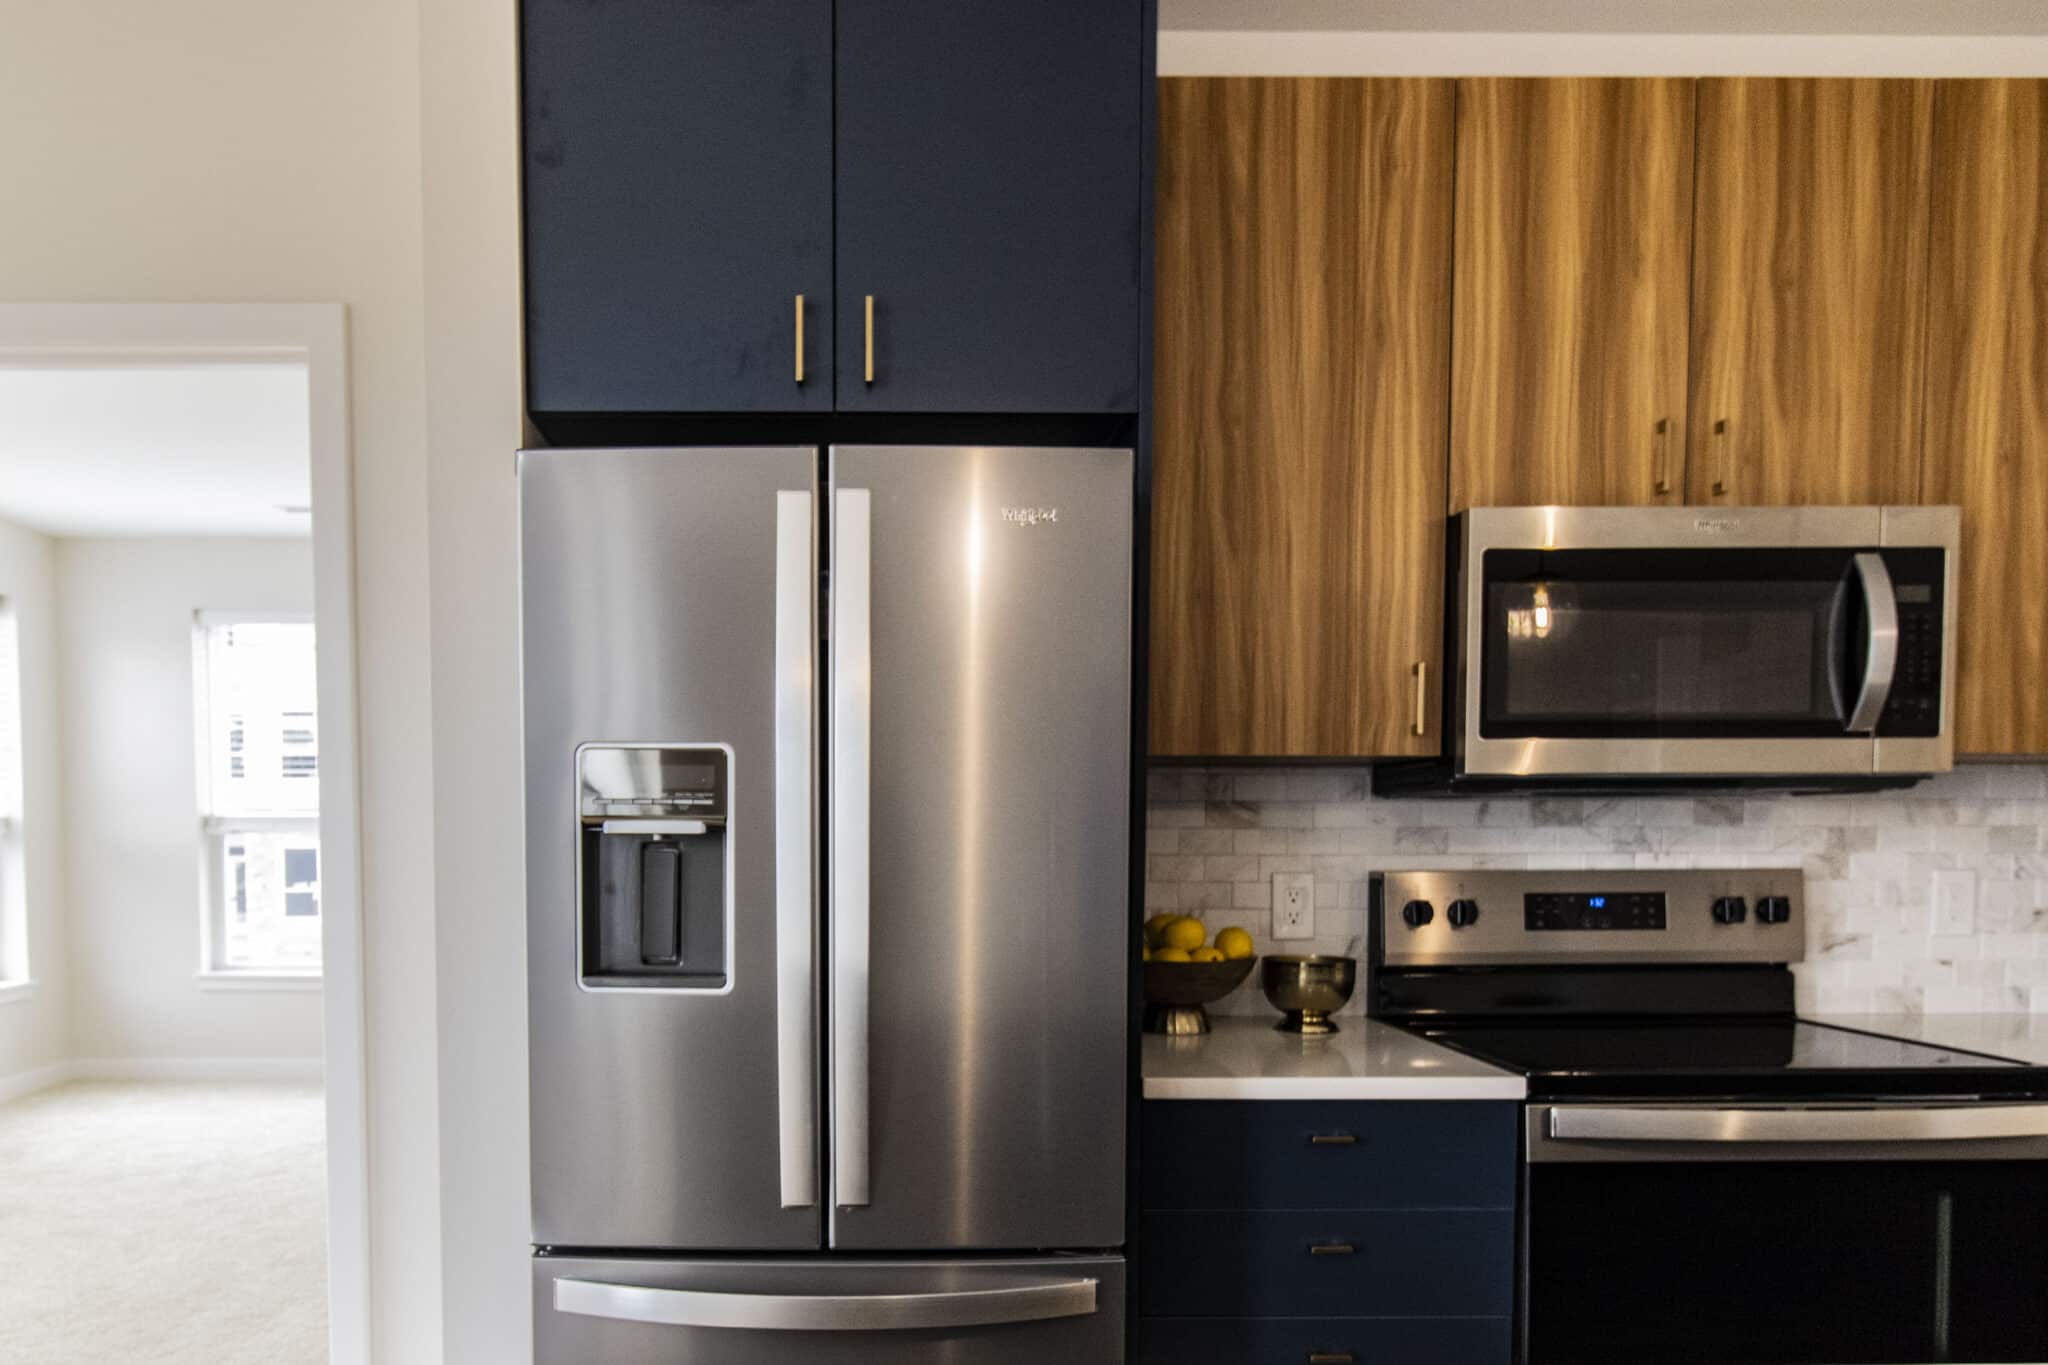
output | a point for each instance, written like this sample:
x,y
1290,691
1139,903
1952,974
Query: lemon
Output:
x,y
1206,955
1235,943
1171,955
1148,954
1184,933
1155,928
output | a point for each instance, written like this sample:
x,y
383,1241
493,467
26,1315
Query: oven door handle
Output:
x,y
1933,1123
1881,659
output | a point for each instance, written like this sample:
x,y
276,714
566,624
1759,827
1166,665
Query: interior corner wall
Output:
x,y
35,1028
131,814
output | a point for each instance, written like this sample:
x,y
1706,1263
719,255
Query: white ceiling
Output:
x,y
154,449
1613,16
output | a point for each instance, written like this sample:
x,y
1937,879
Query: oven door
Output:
x,y
1786,1235
1598,647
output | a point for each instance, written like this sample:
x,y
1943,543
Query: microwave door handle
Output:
x,y
1881,611
796,990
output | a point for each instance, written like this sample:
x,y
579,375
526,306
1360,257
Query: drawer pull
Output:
x,y
1332,1249
1331,1139
1331,1358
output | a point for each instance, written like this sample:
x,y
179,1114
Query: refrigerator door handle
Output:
x,y
1029,1302
795,921
852,688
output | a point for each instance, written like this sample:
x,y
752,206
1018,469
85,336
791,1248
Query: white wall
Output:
x,y
469,61
246,150
130,804
34,1028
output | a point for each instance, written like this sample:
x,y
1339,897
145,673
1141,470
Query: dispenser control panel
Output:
x,y
624,781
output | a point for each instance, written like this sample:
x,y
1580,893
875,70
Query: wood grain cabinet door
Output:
x,y
1810,291
1302,365
1574,242
1987,399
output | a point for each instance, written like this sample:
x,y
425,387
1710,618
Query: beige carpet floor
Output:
x,y
170,1222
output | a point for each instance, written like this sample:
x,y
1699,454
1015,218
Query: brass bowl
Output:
x,y
1176,991
1308,990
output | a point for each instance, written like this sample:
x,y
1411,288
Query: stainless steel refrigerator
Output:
x,y
828,805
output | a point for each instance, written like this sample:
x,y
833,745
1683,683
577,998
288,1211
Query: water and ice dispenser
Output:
x,y
654,866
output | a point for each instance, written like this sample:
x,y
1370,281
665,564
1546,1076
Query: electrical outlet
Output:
x,y
1294,905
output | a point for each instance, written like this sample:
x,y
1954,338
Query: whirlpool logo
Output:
x,y
1030,516
1717,525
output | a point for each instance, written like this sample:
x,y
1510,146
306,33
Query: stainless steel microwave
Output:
x,y
1674,643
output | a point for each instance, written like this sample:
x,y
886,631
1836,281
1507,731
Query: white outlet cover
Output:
x,y
1294,905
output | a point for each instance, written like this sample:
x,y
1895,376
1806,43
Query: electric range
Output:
x,y
1707,1176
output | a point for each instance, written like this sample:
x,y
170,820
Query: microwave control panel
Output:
x,y
1914,707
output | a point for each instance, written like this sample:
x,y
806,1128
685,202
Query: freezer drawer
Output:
x,y
644,1311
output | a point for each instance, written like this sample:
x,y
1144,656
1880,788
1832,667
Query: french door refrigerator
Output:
x,y
828,808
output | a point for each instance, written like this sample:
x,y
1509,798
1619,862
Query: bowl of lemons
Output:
x,y
1185,971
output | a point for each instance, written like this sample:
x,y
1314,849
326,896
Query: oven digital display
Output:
x,y
1593,910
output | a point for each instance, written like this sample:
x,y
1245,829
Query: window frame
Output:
x,y
215,830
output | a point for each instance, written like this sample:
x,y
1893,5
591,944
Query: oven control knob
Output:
x,y
1774,910
1730,910
1463,913
1415,914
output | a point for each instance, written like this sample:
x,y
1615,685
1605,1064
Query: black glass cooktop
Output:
x,y
1732,1057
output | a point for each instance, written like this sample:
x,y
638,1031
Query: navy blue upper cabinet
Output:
x,y
678,161
989,174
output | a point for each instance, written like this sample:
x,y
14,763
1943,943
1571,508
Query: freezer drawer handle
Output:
x,y
1940,1123
827,1312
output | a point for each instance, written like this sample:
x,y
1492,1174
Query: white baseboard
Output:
x,y
28,1082
195,1069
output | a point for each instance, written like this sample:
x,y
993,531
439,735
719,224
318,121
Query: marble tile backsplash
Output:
x,y
1928,901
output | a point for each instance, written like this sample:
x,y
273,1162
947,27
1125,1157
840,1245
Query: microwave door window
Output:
x,y
1663,656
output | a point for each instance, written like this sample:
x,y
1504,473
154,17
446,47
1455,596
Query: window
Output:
x,y
259,793
13,879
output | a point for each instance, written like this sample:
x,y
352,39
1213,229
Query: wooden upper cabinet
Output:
x,y
1810,290
1987,398
1302,369
1574,241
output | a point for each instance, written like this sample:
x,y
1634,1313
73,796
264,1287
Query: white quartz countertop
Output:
x,y
1249,1059
2021,1037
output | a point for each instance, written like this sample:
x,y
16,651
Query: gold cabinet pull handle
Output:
x,y
1331,1358
1721,455
1660,472
1421,671
1332,1249
799,338
869,376
1331,1139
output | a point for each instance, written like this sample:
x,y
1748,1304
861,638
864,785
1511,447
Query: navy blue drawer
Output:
x,y
1296,1341
1227,1265
1393,1154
